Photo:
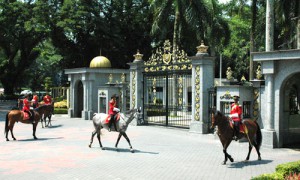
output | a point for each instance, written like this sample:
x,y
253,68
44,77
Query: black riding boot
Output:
x,y
236,131
112,117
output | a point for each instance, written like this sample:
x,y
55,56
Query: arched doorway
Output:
x,y
78,99
291,111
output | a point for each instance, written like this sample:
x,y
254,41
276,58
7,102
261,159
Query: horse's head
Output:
x,y
216,116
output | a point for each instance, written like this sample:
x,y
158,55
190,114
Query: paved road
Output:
x,y
62,152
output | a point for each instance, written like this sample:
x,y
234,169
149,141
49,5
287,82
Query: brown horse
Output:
x,y
17,116
45,111
225,132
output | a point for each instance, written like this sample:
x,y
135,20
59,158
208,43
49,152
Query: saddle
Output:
x,y
107,119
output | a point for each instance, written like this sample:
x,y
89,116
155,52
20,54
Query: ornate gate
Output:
x,y
167,88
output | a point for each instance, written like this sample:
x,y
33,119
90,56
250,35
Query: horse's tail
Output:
x,y
6,124
258,135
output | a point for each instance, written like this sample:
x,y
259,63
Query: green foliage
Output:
x,y
288,168
282,171
274,176
60,111
48,83
18,41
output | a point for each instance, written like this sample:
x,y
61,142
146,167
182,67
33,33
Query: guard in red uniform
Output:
x,y
113,110
47,99
35,101
26,107
235,115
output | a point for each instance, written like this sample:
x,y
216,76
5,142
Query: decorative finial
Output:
x,y
138,56
229,73
258,73
202,49
110,78
243,79
123,78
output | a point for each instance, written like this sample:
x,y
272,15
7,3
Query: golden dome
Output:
x,y
100,62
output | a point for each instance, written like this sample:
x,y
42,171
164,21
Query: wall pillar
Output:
x,y
268,132
202,80
87,113
136,84
71,99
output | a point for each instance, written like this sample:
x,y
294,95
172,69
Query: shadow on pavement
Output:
x,y
242,164
127,150
39,139
55,126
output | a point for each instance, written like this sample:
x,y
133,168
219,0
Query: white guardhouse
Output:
x,y
91,88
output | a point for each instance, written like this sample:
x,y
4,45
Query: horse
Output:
x,y
100,122
248,129
16,116
45,111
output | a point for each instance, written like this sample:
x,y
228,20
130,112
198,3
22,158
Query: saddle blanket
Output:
x,y
25,116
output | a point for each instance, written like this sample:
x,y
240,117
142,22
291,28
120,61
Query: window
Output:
x,y
294,107
246,109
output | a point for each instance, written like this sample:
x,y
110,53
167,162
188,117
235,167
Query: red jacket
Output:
x,y
26,105
35,100
236,112
112,105
47,99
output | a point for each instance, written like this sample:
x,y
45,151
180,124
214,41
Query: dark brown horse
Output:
x,y
225,132
17,116
45,111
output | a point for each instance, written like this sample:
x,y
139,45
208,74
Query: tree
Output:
x,y
184,15
18,39
116,28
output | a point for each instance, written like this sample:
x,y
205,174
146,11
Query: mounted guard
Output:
x,y
113,110
47,99
235,115
28,113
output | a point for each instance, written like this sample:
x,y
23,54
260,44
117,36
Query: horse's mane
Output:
x,y
129,111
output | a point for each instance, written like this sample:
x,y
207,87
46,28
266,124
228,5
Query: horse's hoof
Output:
x,y
7,139
89,146
231,160
15,139
259,158
223,163
103,148
131,150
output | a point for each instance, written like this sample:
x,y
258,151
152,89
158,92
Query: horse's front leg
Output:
x,y
119,137
227,156
126,137
99,138
49,122
34,129
42,121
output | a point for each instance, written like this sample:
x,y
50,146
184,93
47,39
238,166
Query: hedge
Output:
x,y
282,171
60,111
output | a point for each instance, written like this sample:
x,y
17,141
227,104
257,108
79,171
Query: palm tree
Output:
x,y
288,23
195,14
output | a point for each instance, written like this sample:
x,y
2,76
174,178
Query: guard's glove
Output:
x,y
116,109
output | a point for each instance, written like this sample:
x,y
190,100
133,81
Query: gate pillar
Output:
x,y
202,81
136,85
